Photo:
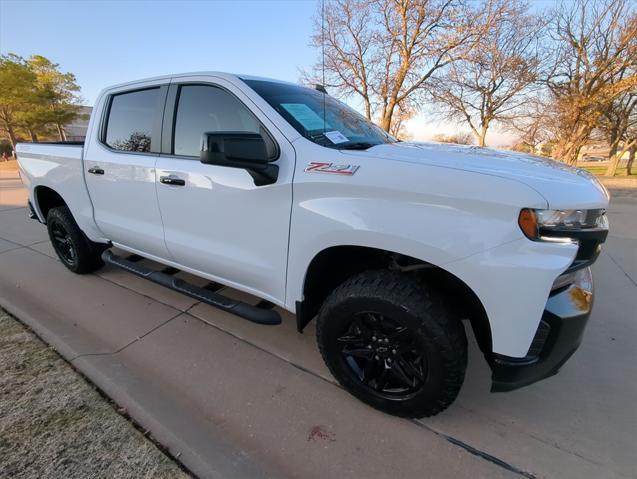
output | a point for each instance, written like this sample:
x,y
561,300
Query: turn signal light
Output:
x,y
528,223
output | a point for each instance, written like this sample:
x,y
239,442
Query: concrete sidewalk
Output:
x,y
235,399
55,424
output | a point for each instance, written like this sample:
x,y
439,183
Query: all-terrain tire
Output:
x,y
75,250
430,358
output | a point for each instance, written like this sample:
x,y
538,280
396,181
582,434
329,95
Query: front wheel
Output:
x,y
392,345
75,250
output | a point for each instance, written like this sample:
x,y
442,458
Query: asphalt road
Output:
x,y
235,399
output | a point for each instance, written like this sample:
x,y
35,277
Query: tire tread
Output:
x,y
88,252
446,331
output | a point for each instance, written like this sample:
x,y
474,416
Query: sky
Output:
x,y
109,42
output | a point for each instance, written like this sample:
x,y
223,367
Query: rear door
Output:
x,y
217,221
120,169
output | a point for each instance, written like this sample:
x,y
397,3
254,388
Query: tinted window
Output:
x,y
319,117
130,120
204,108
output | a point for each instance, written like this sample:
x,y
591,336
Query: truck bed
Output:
x,y
56,152
59,167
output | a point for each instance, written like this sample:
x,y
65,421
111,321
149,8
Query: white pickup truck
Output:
x,y
283,192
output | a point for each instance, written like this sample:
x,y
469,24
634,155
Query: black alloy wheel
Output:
x,y
75,250
384,355
393,344
62,243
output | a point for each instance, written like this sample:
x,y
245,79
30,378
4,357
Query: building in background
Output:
x,y
76,130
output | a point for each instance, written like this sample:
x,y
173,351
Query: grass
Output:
x,y
55,424
601,170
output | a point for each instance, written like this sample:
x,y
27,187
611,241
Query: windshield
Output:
x,y
319,117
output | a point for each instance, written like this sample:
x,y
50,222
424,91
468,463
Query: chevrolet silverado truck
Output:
x,y
287,194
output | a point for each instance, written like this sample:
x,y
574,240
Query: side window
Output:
x,y
203,108
130,120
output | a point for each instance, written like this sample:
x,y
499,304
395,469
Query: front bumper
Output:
x,y
557,338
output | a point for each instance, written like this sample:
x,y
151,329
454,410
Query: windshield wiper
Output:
x,y
358,145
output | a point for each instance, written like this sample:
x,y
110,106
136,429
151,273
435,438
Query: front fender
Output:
x,y
431,213
463,222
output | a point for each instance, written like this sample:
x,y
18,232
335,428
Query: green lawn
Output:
x,y
601,170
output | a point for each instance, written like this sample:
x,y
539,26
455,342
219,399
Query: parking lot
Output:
x,y
235,399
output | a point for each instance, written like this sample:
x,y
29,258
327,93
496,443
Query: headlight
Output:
x,y
555,225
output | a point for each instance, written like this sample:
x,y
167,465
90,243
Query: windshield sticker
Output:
x,y
305,116
336,137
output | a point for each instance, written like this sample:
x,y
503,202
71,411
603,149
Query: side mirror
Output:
x,y
239,150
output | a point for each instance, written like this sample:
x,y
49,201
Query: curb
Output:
x,y
189,437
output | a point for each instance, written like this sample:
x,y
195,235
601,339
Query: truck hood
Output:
x,y
562,186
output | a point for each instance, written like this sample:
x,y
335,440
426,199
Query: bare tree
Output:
x,y
533,126
617,124
137,141
594,40
385,51
631,159
405,111
495,79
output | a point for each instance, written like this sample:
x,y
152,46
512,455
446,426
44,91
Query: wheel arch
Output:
x,y
45,199
333,265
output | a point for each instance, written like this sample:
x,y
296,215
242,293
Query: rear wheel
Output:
x,y
392,345
75,250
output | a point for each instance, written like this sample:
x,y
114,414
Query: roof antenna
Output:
x,y
323,58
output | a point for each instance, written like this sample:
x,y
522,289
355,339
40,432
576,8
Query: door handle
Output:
x,y
172,180
96,171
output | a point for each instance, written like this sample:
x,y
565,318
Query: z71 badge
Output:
x,y
319,167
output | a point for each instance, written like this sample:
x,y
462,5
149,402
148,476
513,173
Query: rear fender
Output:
x,y
60,169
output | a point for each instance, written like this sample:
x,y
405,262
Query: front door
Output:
x,y
216,220
120,170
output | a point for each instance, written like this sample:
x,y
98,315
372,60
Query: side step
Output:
x,y
245,310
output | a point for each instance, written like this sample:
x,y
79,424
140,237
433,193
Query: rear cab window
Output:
x,y
131,119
